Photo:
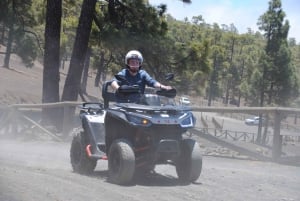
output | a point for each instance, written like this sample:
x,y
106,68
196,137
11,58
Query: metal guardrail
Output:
x,y
12,114
277,112
231,135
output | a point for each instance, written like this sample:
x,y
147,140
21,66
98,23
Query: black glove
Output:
x,y
122,88
171,93
128,89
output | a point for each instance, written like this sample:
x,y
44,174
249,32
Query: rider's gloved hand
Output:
x,y
170,93
122,88
128,89
120,91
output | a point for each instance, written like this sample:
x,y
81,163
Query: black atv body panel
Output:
x,y
154,131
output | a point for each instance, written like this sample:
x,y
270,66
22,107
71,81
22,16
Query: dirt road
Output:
x,y
40,170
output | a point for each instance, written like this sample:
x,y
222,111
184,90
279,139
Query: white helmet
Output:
x,y
134,54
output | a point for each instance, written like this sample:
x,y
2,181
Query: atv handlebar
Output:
x,y
126,89
171,93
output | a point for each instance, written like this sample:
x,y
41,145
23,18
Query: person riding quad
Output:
x,y
135,76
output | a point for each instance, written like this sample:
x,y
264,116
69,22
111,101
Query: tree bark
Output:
x,y
9,45
2,34
262,99
85,71
51,60
72,84
100,70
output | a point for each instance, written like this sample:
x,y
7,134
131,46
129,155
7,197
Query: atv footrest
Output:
x,y
98,155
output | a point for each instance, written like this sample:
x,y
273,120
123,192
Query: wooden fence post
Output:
x,y
277,138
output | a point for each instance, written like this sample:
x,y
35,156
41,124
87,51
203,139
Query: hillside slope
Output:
x,y
19,84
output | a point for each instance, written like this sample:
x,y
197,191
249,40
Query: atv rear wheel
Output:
x,y
81,163
189,163
121,162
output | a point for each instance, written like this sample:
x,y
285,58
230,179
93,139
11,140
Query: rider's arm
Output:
x,y
158,85
153,83
115,85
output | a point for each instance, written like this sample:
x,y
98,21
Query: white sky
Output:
x,y
242,13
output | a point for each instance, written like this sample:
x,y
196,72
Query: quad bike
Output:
x,y
135,137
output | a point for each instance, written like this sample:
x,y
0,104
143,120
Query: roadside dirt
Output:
x,y
40,170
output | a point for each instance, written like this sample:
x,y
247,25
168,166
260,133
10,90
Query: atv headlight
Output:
x,y
138,121
187,122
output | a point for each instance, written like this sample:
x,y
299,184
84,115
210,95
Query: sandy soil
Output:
x,y
40,170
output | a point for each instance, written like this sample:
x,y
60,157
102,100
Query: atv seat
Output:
x,y
107,95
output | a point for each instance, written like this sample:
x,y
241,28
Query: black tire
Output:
x,y
81,163
189,164
121,162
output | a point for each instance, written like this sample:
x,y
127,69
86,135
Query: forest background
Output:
x,y
213,61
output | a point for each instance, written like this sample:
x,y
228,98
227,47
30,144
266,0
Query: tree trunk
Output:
x,y
98,77
211,87
99,70
264,137
72,84
227,92
85,71
241,77
262,99
51,61
212,80
266,125
2,34
9,45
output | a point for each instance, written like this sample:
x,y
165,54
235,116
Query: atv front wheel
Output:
x,y
81,163
121,162
189,163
